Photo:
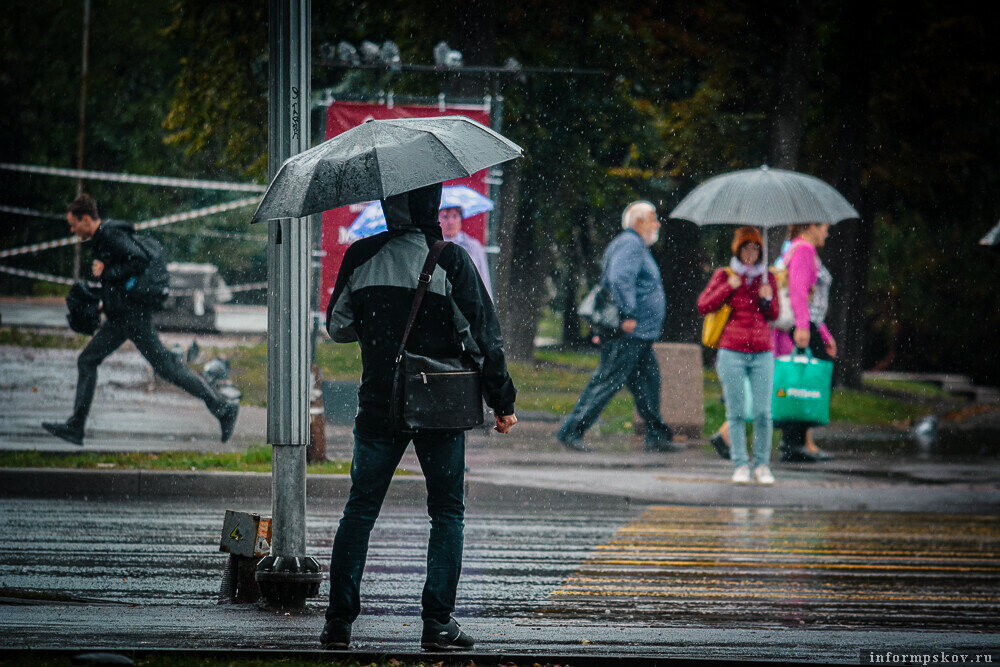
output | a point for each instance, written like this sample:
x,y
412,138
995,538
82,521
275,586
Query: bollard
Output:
x,y
246,537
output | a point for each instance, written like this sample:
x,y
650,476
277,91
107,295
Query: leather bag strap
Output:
x,y
423,282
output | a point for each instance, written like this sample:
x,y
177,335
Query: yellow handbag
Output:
x,y
715,322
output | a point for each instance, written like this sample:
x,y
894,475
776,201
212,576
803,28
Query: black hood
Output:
x,y
414,209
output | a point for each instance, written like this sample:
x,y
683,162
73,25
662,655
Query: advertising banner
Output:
x,y
342,116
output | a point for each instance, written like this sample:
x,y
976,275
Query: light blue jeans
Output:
x,y
732,368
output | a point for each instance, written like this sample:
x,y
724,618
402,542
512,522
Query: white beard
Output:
x,y
652,238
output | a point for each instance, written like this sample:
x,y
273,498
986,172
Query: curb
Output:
x,y
224,486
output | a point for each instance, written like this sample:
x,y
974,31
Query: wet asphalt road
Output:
x,y
655,580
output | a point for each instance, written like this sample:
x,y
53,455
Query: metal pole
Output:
x,y
495,180
287,576
82,130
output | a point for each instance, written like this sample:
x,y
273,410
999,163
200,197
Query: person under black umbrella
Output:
x,y
370,304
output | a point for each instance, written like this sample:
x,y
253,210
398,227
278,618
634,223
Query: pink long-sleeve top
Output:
x,y
747,329
803,269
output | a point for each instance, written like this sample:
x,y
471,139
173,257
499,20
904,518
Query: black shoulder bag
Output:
x,y
433,394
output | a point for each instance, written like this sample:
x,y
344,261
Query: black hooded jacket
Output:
x,y
115,246
374,292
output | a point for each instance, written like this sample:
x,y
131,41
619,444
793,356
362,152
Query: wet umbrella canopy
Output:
x,y
765,198
381,158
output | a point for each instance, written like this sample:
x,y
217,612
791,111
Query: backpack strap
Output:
x,y
423,282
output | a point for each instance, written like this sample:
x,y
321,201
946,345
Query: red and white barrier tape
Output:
x,y
32,213
135,178
148,224
48,277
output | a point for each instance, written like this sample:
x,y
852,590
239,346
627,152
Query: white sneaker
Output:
x,y
763,475
741,475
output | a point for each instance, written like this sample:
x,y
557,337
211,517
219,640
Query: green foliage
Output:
x,y
219,105
20,338
689,90
254,459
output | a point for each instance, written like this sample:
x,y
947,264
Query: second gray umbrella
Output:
x,y
764,197
381,158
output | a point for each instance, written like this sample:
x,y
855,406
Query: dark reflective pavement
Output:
x,y
657,580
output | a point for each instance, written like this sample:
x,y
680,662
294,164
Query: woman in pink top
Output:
x,y
809,293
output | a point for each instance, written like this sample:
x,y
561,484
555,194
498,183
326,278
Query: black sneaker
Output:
x,y
803,455
662,447
64,431
444,636
721,448
335,635
576,444
227,419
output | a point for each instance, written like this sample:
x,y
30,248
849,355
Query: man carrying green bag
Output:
x,y
802,388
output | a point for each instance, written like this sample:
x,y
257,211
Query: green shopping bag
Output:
x,y
802,388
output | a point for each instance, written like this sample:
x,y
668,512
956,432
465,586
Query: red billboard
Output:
x,y
342,116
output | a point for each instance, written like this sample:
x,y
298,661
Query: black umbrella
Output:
x,y
381,158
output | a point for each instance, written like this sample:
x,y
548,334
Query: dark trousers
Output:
x,y
442,460
625,362
137,327
793,434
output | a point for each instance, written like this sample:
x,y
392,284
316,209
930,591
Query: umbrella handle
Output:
x,y
764,250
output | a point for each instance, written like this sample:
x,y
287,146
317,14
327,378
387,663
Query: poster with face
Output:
x,y
342,116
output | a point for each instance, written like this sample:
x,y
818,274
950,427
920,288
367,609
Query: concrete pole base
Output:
x,y
287,581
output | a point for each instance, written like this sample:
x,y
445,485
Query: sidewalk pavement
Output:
x,y
617,552
878,470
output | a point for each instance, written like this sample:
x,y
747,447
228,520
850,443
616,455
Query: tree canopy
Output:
x,y
892,104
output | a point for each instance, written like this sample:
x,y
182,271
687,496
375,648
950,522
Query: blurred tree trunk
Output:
x,y
570,282
679,255
472,30
849,246
788,118
521,268
789,114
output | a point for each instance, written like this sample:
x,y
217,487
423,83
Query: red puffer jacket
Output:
x,y
747,329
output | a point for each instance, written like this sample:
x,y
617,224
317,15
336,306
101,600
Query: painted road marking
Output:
x,y
681,564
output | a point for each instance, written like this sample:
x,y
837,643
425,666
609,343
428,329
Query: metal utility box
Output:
x,y
195,290
246,534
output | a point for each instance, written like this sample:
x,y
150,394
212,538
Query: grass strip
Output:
x,y
254,459
552,383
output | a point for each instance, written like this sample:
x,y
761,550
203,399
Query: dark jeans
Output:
x,y
627,362
442,460
137,327
793,434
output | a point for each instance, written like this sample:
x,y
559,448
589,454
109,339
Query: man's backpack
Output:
x,y
82,306
151,287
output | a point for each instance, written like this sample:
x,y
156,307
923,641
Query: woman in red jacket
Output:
x,y
745,349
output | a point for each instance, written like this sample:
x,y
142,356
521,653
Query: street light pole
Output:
x,y
288,576
82,126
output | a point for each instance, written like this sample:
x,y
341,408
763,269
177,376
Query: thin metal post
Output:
x,y
495,180
82,128
287,576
